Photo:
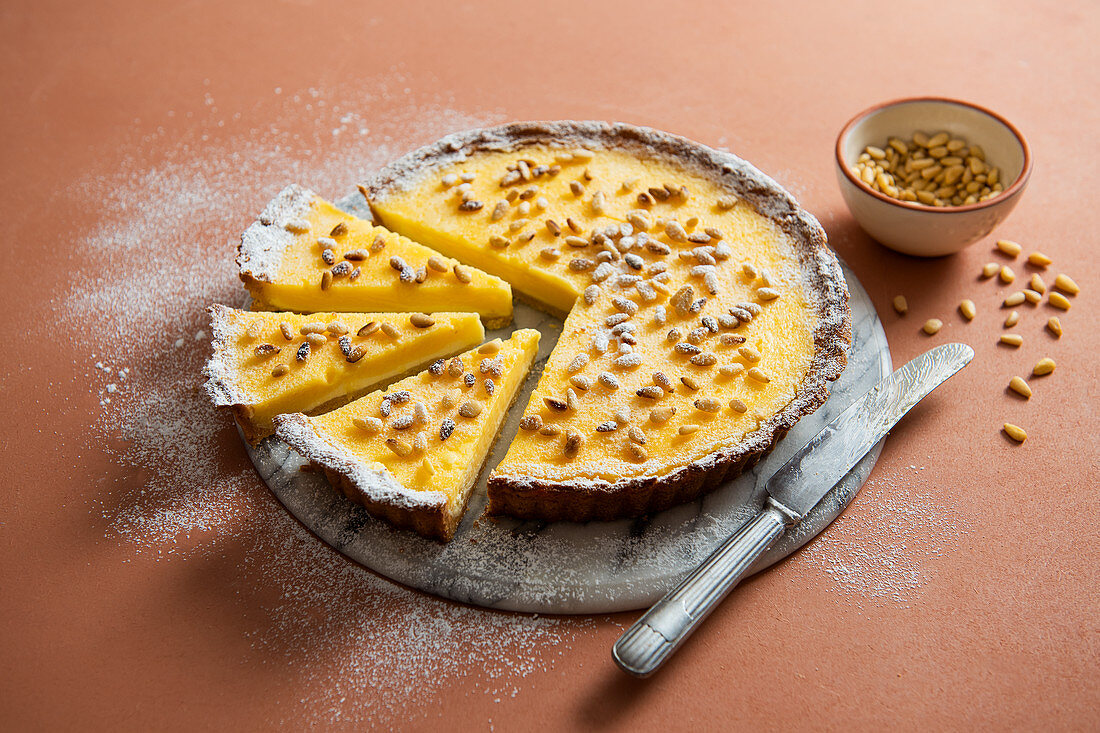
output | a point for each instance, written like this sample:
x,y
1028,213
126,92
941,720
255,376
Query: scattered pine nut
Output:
x,y
932,326
901,305
1015,432
1012,339
1059,301
1013,319
990,270
1020,387
1045,365
967,309
688,429
1008,247
1007,275
1036,283
1054,326
1065,283
1015,299
1032,296
1038,259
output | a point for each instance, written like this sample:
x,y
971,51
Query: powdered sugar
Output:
x,y
898,530
166,245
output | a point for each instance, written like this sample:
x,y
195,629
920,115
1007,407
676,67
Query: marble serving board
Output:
x,y
566,567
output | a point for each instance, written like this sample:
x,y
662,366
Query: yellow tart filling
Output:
x,y
430,433
272,363
306,255
691,324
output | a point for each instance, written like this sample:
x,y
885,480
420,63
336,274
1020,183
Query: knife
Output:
x,y
792,492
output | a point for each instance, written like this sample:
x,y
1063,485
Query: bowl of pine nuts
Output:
x,y
928,176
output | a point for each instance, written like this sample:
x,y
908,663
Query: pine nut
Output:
x,y
990,270
1012,339
1008,247
1038,259
1045,365
1007,275
1059,301
1015,299
1020,387
1037,284
1013,319
1015,432
1066,284
967,309
932,326
1054,326
688,429
901,305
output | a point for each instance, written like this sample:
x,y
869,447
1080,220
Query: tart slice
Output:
x,y
303,254
268,363
706,313
412,453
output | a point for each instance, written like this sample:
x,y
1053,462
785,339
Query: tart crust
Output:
x,y
823,283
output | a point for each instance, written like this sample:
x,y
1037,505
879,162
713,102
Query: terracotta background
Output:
x,y
1003,628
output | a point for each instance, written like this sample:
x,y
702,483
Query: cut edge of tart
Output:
x,y
258,369
418,472
823,285
303,254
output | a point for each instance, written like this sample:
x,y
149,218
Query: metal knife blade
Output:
x,y
805,479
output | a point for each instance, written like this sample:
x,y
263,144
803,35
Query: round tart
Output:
x,y
705,312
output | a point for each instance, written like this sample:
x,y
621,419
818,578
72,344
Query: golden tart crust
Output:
x,y
522,487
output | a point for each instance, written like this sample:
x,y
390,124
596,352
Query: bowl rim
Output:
x,y
1015,188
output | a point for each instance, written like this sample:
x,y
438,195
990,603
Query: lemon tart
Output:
x,y
303,254
267,363
706,313
411,454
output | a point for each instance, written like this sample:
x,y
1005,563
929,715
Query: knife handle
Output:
x,y
659,632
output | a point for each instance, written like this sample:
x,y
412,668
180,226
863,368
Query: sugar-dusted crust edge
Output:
x,y
424,512
823,283
266,239
220,386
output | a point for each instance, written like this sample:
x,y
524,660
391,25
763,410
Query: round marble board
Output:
x,y
565,567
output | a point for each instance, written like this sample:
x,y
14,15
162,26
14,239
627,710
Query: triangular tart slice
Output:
x,y
411,454
269,363
303,254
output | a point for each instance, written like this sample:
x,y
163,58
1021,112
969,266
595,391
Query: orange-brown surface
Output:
x,y
151,581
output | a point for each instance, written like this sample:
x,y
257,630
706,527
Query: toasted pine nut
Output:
x,y
1012,339
1045,365
901,305
1007,275
990,270
1032,296
1015,432
1013,319
1015,299
1059,301
967,309
1038,259
1065,283
932,326
1019,386
1037,284
1010,248
1054,326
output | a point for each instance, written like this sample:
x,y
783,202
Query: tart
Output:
x,y
303,254
268,363
706,313
411,454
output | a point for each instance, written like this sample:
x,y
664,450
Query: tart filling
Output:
x,y
412,453
706,313
269,363
303,254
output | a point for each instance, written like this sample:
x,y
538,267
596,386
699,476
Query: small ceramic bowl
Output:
x,y
917,229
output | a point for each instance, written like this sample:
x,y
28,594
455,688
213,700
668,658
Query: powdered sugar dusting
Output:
x,y
166,247
897,532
